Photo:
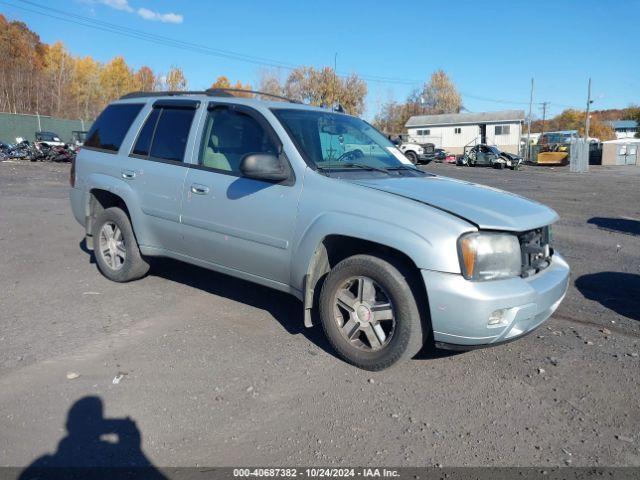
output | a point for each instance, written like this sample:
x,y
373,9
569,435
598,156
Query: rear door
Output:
x,y
232,221
158,169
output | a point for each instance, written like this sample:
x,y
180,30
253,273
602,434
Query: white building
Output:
x,y
454,131
624,128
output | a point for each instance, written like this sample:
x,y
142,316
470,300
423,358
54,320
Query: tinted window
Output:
x,y
172,133
229,136
112,125
146,134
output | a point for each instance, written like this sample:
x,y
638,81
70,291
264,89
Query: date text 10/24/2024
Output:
x,y
315,472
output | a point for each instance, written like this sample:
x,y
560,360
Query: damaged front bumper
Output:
x,y
466,315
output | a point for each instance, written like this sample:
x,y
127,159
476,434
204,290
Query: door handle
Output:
x,y
128,174
199,189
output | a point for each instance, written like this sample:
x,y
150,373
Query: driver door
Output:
x,y
239,223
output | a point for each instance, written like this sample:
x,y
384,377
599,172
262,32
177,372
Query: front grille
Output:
x,y
536,250
429,148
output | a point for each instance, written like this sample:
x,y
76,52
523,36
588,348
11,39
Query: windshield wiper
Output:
x,y
353,165
407,167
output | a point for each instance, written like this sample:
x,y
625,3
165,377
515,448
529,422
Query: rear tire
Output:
x,y
116,249
398,335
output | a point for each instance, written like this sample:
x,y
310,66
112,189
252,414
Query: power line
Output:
x,y
115,29
87,22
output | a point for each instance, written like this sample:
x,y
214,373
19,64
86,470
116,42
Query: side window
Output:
x,y
143,143
171,134
229,136
457,130
110,128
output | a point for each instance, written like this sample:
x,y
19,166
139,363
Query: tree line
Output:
x,y
39,78
310,85
437,96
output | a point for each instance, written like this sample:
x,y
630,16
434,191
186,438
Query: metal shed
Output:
x,y
621,152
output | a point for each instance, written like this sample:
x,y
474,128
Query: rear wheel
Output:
x,y
369,314
116,249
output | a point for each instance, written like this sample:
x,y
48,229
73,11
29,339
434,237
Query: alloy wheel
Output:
x,y
111,245
364,314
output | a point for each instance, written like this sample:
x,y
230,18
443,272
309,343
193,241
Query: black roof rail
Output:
x,y
228,92
211,92
162,94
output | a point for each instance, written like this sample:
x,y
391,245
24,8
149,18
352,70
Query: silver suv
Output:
x,y
321,205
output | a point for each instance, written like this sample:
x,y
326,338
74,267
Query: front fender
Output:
x,y
422,251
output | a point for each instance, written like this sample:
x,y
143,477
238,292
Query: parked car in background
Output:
x,y
48,138
78,138
418,153
489,156
320,205
440,155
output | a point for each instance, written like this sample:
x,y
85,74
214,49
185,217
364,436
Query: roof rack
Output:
x,y
162,94
211,92
228,92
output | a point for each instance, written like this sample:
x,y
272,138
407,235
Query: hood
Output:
x,y
486,207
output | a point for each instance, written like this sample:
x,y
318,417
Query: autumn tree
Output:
x,y
21,77
144,79
58,68
270,82
573,119
85,89
323,87
440,95
633,113
175,80
116,78
221,82
47,79
224,82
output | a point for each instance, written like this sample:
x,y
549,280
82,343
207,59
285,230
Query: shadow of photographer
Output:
x,y
95,447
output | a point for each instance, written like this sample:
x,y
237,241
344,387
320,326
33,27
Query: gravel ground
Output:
x,y
216,371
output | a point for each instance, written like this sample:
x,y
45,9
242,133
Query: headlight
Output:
x,y
489,256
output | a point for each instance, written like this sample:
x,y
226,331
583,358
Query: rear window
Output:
x,y
172,133
110,128
146,134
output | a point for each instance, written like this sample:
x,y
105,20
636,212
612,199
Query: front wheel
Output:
x,y
369,313
116,249
413,158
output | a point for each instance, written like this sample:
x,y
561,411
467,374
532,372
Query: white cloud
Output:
x,y
118,4
144,13
160,17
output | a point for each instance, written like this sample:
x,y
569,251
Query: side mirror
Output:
x,y
264,166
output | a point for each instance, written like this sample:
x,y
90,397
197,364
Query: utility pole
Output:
x,y
544,115
528,152
584,157
587,120
335,74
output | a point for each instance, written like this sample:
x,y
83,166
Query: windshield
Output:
x,y
332,140
46,136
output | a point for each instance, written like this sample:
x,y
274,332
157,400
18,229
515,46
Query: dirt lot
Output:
x,y
216,371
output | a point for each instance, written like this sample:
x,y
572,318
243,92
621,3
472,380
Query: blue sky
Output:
x,y
491,49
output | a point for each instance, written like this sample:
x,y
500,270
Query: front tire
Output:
x,y
369,313
413,158
115,247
